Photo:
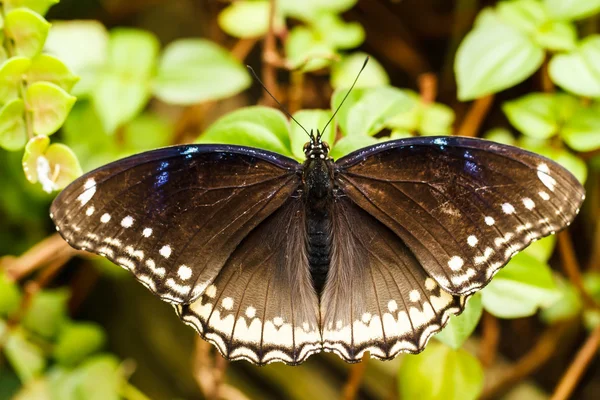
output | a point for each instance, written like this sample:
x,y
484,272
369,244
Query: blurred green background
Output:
x,y
86,82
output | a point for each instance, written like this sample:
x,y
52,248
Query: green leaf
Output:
x,y
337,32
520,288
501,135
494,56
367,110
146,132
557,36
542,249
78,341
436,119
440,373
195,70
311,120
99,378
48,68
344,72
10,297
567,306
591,283
13,134
12,72
308,50
540,115
579,71
307,10
257,126
50,106
123,88
248,19
582,131
460,327
348,144
26,358
47,312
39,6
83,47
572,9
28,31
526,15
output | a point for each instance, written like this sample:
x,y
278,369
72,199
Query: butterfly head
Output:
x,y
316,148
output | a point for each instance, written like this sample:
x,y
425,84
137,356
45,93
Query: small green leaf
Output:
x,y
195,70
567,306
582,131
591,283
311,120
146,132
99,378
367,110
47,312
535,114
348,144
13,134
526,15
123,88
436,119
50,106
28,31
54,166
26,358
308,50
520,288
48,68
12,74
344,72
579,70
337,32
83,47
247,19
493,57
460,327
78,341
261,127
572,9
440,373
10,297
501,135
542,249
557,36
39,6
308,10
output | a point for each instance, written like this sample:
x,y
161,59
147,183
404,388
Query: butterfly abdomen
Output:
x,y
318,189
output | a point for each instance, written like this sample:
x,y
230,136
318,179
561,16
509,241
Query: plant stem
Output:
x,y
357,372
475,116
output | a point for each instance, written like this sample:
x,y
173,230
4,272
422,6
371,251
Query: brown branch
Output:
x,y
295,91
428,87
490,339
269,57
242,48
357,372
571,267
545,81
529,363
585,355
475,116
45,252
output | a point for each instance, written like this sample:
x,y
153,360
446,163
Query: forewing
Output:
x,y
377,296
174,216
463,206
262,306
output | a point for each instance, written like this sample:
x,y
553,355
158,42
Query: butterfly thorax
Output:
x,y
318,199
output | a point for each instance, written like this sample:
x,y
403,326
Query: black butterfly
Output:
x,y
273,260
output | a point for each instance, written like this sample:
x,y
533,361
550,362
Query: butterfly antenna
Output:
x,y
276,101
345,97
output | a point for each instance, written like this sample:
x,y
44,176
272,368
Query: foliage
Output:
x,y
133,95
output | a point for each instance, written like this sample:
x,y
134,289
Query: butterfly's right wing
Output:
x,y
173,216
262,306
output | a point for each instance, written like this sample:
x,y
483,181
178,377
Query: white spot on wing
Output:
x,y
227,303
392,305
490,221
184,272
127,222
250,312
89,190
508,208
472,240
547,180
89,211
105,218
544,196
165,251
211,291
528,203
455,263
147,232
430,284
414,296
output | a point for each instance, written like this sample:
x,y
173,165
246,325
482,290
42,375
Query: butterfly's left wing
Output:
x,y
462,206
262,306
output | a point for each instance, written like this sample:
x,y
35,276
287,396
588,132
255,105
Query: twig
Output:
x,y
475,116
545,81
571,267
529,363
269,71
44,252
428,87
242,48
490,339
357,372
570,379
295,91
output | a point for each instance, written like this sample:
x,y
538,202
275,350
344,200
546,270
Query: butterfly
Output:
x,y
270,259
